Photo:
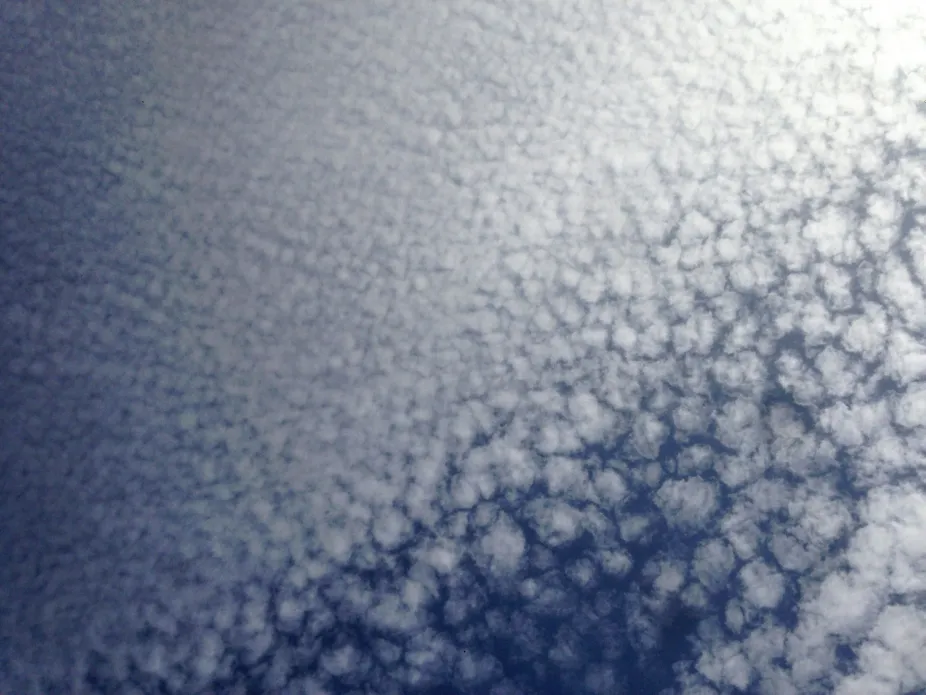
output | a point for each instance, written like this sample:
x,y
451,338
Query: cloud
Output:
x,y
495,347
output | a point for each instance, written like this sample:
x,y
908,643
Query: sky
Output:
x,y
463,347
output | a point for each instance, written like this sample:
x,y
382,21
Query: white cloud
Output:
x,y
611,487
713,562
616,562
670,578
648,435
503,545
893,652
406,313
763,586
687,502
728,667
910,408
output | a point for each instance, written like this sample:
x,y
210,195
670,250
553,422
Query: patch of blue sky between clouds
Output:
x,y
482,347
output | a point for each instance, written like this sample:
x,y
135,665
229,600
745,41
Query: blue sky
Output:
x,y
468,347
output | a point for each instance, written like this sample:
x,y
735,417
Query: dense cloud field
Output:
x,y
463,347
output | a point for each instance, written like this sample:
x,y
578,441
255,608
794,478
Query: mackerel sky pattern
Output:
x,y
463,347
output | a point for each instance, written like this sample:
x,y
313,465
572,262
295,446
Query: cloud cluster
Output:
x,y
483,347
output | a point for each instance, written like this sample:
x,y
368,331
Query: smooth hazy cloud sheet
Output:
x,y
498,347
